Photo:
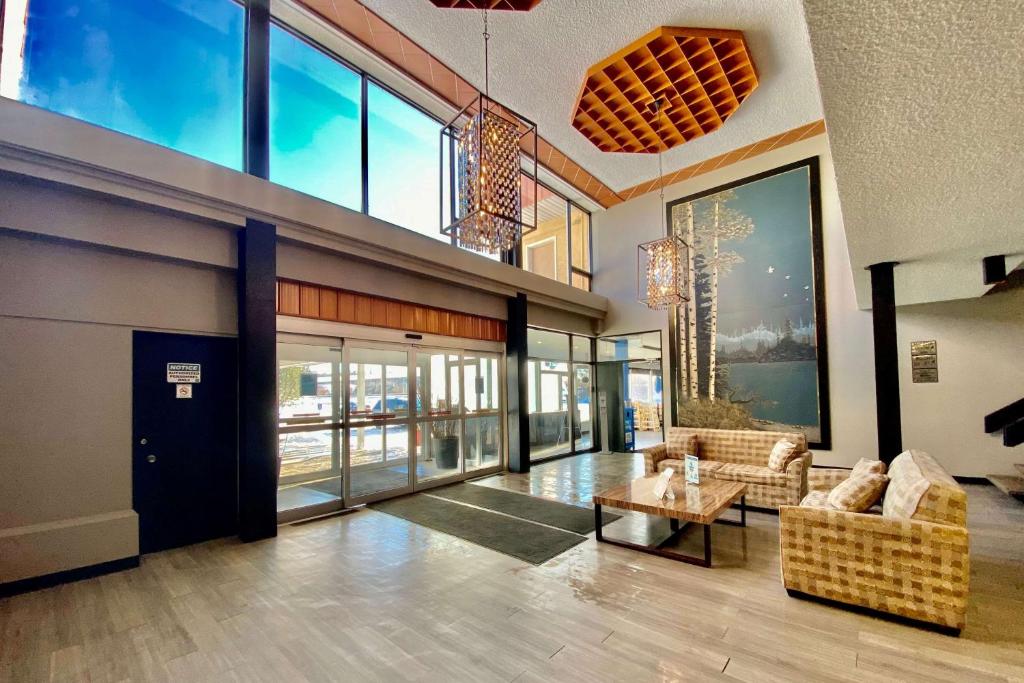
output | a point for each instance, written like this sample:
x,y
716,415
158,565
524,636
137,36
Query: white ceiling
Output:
x,y
925,113
538,60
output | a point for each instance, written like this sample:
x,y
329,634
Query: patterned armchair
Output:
x,y
911,559
737,455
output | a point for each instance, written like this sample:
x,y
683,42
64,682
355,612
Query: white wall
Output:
x,y
619,230
981,346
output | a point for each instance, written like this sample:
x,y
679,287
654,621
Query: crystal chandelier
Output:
x,y
481,151
662,265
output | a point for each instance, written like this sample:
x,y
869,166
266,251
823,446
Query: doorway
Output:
x,y
365,419
185,438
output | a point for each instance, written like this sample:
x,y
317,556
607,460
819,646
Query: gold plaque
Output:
x,y
923,348
925,375
924,362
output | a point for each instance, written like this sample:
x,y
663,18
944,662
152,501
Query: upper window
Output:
x,y
402,171
315,139
166,71
560,246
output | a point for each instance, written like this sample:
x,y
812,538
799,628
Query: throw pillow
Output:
x,y
783,452
865,466
680,445
857,494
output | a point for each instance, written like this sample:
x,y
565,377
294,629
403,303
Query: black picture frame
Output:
x,y
813,165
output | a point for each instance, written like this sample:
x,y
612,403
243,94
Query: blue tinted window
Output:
x,y
314,122
403,175
167,71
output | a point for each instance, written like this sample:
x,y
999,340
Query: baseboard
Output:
x,y
973,480
36,583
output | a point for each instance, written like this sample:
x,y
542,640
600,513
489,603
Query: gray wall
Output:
x,y
67,311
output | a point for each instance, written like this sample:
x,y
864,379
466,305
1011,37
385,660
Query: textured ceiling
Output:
x,y
538,60
925,114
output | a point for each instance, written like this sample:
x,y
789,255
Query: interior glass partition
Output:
x,y
560,390
631,370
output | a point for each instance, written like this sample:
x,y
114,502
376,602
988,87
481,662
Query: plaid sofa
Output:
x,y
911,558
737,455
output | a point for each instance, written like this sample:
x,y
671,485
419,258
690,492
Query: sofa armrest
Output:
x,y
797,470
652,456
915,569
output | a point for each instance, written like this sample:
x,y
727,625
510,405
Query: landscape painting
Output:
x,y
751,350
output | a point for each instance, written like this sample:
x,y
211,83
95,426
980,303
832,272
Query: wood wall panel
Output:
x,y
305,300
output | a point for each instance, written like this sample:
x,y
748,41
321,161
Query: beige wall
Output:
x,y
980,344
67,311
619,230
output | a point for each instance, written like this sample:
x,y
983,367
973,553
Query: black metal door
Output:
x,y
185,439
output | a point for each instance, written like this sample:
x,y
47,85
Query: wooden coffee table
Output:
x,y
694,503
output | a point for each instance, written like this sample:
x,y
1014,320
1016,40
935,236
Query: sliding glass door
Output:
x,y
361,421
377,425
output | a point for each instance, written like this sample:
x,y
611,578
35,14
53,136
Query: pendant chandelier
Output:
x,y
662,265
482,151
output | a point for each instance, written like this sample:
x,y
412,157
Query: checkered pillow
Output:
x,y
783,452
857,494
865,466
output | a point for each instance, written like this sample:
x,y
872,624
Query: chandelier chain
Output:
x,y
487,36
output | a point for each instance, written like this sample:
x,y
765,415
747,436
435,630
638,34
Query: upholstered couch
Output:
x,y
738,455
908,557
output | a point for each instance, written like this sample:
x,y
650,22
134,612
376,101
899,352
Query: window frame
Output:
x,y
571,268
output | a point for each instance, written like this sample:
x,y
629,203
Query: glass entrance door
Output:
x,y
377,426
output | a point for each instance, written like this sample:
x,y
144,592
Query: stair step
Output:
x,y
1009,484
1020,468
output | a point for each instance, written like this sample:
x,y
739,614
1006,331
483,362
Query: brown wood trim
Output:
x,y
722,160
320,302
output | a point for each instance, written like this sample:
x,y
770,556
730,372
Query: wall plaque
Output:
x,y
924,361
925,375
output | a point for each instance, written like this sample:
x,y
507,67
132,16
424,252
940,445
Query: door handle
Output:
x,y
150,458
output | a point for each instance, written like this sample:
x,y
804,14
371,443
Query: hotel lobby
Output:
x,y
511,340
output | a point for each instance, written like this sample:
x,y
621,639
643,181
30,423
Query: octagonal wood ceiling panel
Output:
x,y
506,5
704,75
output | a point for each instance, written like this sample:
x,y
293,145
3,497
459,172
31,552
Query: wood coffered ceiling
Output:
x,y
506,5
702,76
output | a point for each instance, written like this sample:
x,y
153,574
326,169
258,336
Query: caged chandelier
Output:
x,y
661,268
486,184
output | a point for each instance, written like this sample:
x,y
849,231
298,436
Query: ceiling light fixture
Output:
x,y
664,262
482,151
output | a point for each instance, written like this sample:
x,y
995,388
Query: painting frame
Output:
x,y
675,361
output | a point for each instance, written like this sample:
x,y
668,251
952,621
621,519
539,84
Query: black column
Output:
x,y
887,365
256,124
257,323
516,380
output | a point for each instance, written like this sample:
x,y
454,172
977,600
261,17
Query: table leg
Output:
x,y
673,524
743,510
707,545
597,521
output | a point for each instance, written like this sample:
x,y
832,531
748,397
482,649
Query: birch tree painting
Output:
x,y
748,337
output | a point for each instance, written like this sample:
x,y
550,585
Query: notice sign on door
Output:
x,y
183,373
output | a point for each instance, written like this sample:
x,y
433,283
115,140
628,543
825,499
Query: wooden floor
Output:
x,y
372,597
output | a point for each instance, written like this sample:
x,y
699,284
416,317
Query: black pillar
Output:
x,y
257,322
516,390
887,364
257,385
256,123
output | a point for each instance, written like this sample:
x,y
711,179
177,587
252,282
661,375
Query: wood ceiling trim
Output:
x,y
381,38
722,160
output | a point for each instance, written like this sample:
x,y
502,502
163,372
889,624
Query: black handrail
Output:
x,y
1013,435
1004,416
